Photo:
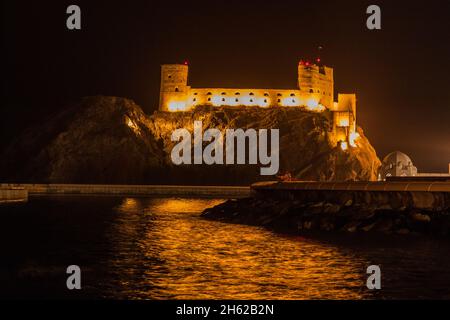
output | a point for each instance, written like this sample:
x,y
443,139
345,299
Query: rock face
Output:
x,y
99,140
111,140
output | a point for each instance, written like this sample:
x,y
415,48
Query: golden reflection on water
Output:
x,y
163,249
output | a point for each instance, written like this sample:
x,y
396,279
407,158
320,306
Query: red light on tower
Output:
x,y
186,62
301,62
307,63
318,60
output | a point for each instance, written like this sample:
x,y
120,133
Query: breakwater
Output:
x,y
434,195
387,207
132,190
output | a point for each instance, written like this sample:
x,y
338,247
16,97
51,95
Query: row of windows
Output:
x,y
318,91
265,94
252,94
237,100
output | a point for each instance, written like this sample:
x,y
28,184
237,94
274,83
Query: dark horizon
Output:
x,y
399,73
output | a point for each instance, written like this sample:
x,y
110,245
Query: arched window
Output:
x,y
251,93
237,100
278,94
292,94
195,93
251,100
223,93
223,99
208,94
209,99
266,94
293,100
265,100
279,100
311,91
176,90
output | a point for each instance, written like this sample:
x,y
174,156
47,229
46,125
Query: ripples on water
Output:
x,y
159,248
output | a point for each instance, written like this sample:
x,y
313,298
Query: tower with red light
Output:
x,y
316,80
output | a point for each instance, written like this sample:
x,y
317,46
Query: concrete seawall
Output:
x,y
132,190
13,194
422,195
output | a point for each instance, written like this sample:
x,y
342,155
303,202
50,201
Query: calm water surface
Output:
x,y
159,248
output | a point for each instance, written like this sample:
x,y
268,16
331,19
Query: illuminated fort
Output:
x,y
314,92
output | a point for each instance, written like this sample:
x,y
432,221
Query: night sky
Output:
x,y
400,73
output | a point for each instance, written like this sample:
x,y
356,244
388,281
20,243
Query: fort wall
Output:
x,y
315,92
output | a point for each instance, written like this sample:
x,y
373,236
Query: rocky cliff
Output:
x,y
111,140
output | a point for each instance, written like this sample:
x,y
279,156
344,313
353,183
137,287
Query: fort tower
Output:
x,y
316,81
174,89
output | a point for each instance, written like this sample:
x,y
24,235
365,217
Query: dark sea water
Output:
x,y
160,248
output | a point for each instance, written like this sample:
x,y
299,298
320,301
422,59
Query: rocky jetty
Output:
x,y
111,140
295,216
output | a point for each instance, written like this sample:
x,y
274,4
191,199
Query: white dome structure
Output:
x,y
396,164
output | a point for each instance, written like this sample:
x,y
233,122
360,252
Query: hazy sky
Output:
x,y
400,73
